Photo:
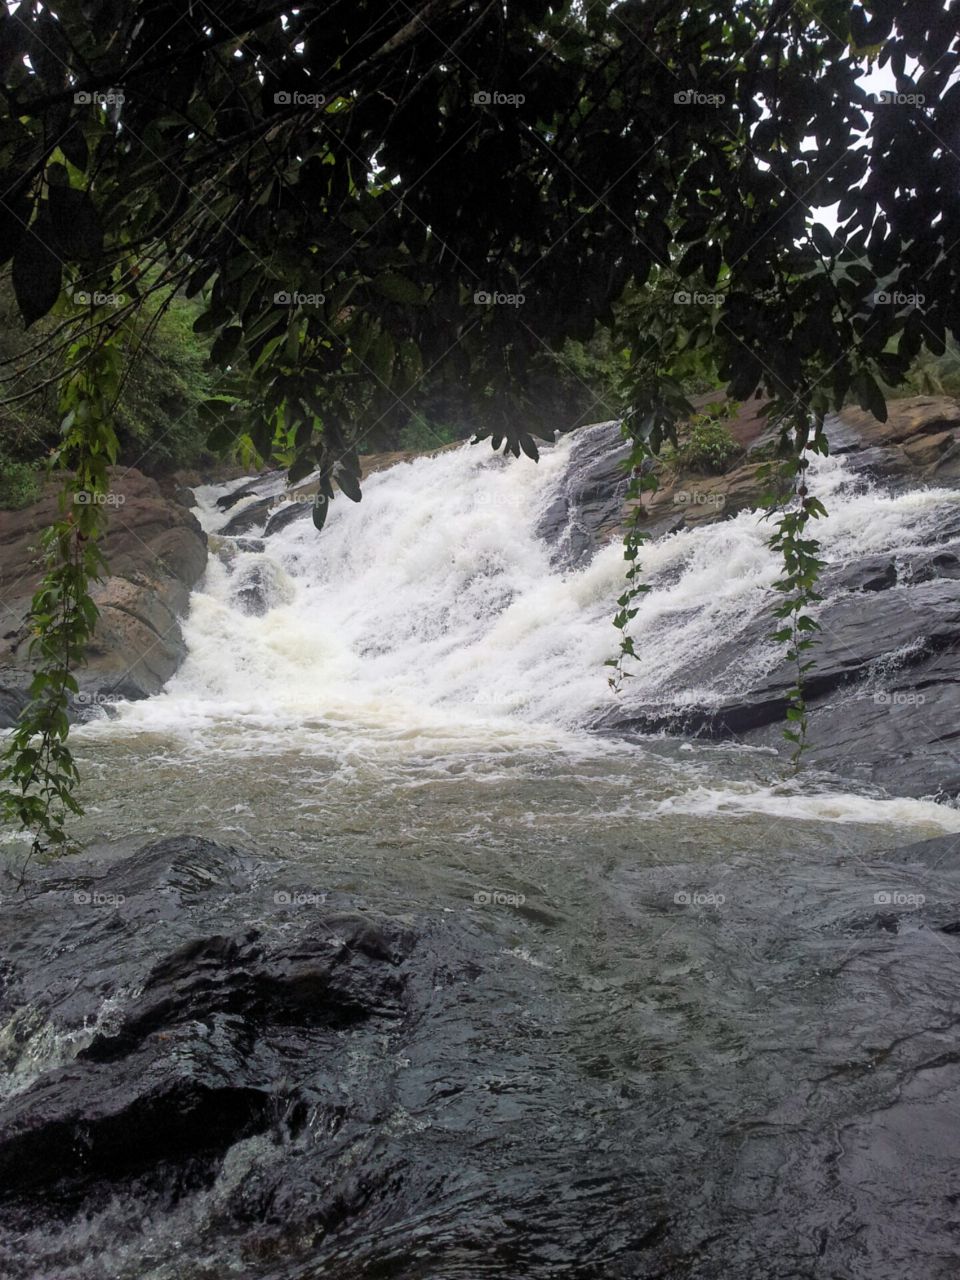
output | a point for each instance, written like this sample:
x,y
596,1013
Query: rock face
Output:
x,y
919,438
206,1054
155,551
884,694
918,443
586,510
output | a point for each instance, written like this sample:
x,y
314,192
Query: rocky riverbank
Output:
x,y
156,552
885,691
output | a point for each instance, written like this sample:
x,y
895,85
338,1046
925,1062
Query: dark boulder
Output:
x,y
251,517
248,489
588,505
286,515
884,693
223,1035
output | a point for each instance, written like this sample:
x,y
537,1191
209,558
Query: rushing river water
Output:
x,y
709,1023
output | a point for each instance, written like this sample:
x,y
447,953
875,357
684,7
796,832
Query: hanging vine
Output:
x,y
38,772
800,553
794,507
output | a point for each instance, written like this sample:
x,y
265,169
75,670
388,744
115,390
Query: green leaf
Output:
x,y
349,484
869,395
215,410
396,288
380,356
226,345
529,447
823,240
37,272
75,221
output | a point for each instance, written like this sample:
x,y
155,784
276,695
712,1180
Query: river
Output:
x,y
709,1027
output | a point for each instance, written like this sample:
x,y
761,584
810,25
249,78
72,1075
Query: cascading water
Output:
x,y
435,608
667,1010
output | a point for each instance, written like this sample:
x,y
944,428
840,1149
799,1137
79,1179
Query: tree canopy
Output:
x,y
368,197
349,183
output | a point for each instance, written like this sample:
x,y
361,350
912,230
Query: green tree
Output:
x,y
361,195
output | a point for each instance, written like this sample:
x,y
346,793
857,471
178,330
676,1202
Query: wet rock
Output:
x,y
884,694
223,1032
588,505
924,567
909,419
259,586
78,1127
156,552
940,852
917,443
211,1087
286,515
250,517
228,549
872,573
248,489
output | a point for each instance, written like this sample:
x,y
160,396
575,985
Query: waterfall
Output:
x,y
438,603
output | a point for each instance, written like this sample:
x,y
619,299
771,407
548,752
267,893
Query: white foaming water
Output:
x,y
432,605
787,803
433,614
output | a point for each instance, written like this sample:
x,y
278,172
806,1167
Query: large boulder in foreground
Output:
x,y
230,1020
155,551
212,1069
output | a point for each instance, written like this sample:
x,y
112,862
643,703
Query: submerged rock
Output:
x,y
259,585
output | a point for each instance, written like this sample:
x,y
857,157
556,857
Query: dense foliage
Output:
x,y
372,200
156,415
